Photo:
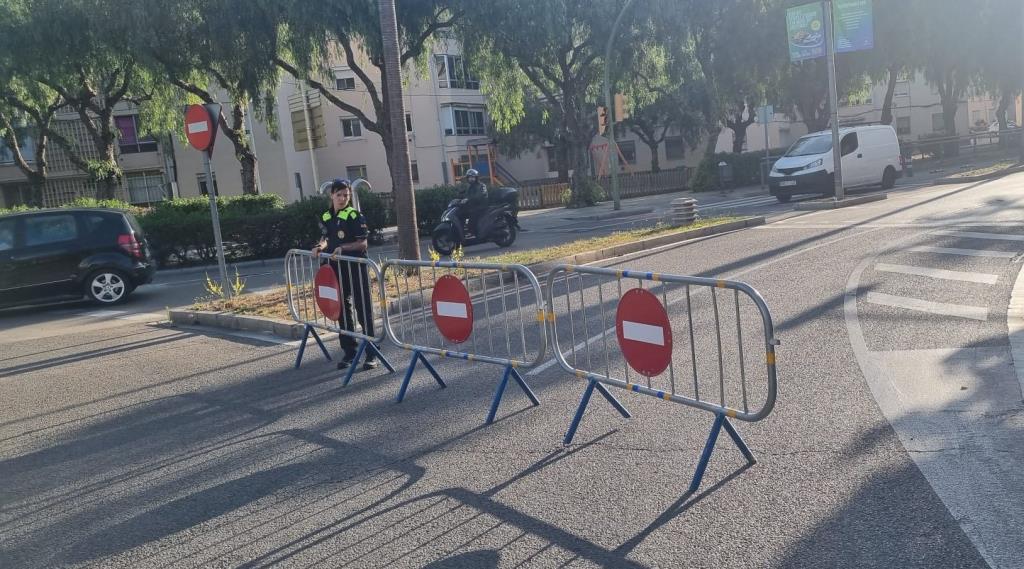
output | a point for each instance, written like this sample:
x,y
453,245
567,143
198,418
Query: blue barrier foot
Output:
x,y
526,388
611,399
380,356
705,458
355,361
579,412
417,357
302,347
510,372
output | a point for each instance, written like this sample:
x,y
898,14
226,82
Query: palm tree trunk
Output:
x,y
401,172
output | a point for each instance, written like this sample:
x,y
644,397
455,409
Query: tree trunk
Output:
x,y
890,92
401,172
243,150
1004,106
655,164
562,158
712,142
581,182
739,137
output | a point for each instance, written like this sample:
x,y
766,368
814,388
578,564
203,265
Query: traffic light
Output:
x,y
621,112
602,119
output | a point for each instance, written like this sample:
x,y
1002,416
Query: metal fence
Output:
x,y
611,334
356,291
478,312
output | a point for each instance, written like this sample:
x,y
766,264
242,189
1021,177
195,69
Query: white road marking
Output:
x,y
983,278
643,333
964,252
941,308
452,309
973,235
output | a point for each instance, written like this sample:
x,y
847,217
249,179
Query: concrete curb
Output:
x,y
1015,327
979,178
213,270
293,331
836,204
609,215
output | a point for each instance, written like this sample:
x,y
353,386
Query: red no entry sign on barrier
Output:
x,y
452,308
327,292
644,333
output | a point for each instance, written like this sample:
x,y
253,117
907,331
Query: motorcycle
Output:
x,y
499,224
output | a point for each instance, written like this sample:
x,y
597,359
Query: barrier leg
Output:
x,y
526,388
498,394
579,412
705,457
380,356
302,347
611,399
355,361
736,438
417,356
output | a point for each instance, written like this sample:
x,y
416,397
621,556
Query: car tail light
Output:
x,y
130,245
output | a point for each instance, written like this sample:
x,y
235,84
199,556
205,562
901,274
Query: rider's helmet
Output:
x,y
472,176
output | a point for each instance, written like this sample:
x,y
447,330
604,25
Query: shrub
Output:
x,y
378,214
430,204
746,169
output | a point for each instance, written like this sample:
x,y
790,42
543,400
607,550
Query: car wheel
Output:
x,y
783,198
107,287
888,178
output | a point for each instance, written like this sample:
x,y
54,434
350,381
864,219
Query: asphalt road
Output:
x,y
144,445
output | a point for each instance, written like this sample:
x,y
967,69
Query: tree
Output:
x,y
79,49
1002,74
536,128
548,51
223,46
896,49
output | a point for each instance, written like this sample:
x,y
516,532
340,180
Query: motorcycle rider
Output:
x,y
475,201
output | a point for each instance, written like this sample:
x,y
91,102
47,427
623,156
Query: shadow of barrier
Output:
x,y
642,327
333,293
476,312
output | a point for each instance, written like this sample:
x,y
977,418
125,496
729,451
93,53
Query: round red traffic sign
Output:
x,y
644,333
327,292
199,127
452,308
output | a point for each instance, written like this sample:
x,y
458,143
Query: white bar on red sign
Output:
x,y
328,292
643,333
452,309
197,127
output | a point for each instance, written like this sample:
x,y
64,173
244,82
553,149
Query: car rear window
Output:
x,y
135,225
46,229
103,227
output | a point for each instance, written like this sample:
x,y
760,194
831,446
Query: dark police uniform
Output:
x,y
341,228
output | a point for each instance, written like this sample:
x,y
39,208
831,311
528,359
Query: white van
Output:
x,y
871,156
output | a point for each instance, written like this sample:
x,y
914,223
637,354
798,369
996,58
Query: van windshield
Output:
x,y
809,145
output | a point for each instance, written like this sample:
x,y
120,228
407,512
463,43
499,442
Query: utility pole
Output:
x,y
1020,115
613,147
309,132
833,98
401,174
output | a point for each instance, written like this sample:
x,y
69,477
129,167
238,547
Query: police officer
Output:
x,y
343,231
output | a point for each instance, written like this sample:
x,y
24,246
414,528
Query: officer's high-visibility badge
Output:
x,y
341,234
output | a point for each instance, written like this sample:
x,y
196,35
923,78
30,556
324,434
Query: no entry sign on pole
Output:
x,y
201,123
644,333
452,308
327,292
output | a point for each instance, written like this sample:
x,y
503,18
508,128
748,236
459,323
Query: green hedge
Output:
x,y
746,169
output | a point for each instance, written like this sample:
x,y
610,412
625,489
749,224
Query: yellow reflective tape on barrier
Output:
x,y
469,357
619,274
731,413
720,284
770,358
655,277
444,353
540,316
407,346
569,269
629,386
667,397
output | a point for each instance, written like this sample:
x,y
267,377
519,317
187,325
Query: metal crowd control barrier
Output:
x,y
713,372
353,289
477,312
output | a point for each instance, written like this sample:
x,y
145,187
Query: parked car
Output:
x,y
870,156
65,254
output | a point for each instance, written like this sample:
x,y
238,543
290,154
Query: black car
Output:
x,y
65,254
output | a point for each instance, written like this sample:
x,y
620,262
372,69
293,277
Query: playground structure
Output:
x,y
482,156
600,153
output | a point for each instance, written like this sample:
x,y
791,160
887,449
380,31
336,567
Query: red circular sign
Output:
x,y
327,292
199,127
452,308
645,335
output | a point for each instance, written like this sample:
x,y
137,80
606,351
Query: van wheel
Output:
x,y
888,178
783,198
107,287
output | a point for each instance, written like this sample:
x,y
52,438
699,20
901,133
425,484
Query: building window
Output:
x,y
201,178
552,152
351,128
415,172
903,126
466,122
129,141
452,73
354,172
675,148
25,141
145,187
938,122
345,83
408,122
628,150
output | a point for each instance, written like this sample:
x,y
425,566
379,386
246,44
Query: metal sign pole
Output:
x,y
767,153
833,98
215,216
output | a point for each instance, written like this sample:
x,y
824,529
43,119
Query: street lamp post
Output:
x,y
833,98
613,147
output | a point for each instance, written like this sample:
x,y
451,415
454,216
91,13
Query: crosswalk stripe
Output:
x,y
738,203
941,308
983,278
973,235
965,252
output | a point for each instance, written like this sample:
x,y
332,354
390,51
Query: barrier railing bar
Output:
x,y
487,311
718,337
604,328
693,345
572,321
625,364
519,309
671,362
347,307
586,324
739,342
504,310
466,279
422,311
